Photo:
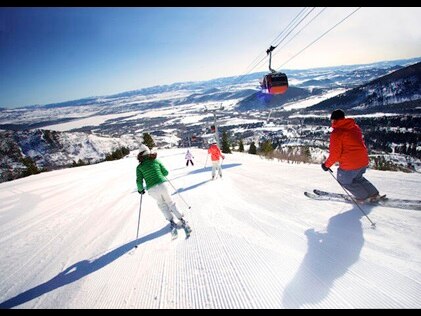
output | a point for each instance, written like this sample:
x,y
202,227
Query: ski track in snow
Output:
x,y
257,242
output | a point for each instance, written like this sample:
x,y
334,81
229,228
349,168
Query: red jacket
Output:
x,y
215,152
347,146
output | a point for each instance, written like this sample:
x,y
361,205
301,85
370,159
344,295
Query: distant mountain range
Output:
x,y
325,78
262,101
401,87
59,134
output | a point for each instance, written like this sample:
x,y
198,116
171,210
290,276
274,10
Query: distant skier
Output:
x,y
154,173
348,148
189,157
216,155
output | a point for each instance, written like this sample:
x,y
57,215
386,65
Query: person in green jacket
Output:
x,y
153,172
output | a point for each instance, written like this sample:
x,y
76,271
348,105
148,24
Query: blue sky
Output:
x,y
52,55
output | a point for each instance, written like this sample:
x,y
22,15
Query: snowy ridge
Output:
x,y
52,149
68,240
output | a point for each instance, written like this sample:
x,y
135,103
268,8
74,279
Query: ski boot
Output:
x,y
375,198
186,227
174,232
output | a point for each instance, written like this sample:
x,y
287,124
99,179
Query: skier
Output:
x,y
154,173
189,158
216,155
348,148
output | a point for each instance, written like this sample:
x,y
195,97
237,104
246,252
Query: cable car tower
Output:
x,y
214,127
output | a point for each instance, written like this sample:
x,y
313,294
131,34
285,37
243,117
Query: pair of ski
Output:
x,y
385,201
174,230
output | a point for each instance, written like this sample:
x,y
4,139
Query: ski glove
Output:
x,y
324,167
141,192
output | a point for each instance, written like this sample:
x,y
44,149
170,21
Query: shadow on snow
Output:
x,y
79,270
329,255
209,169
206,169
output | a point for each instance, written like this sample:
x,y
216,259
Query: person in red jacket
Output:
x,y
348,148
216,155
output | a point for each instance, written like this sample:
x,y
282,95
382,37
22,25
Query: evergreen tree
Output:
x,y
117,154
225,143
148,141
252,149
241,146
125,151
31,167
266,147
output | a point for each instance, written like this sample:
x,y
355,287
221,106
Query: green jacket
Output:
x,y
152,171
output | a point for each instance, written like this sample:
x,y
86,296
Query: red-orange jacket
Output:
x,y
347,145
215,152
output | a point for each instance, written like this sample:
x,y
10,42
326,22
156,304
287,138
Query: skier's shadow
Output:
x,y
194,186
205,169
78,271
208,169
329,255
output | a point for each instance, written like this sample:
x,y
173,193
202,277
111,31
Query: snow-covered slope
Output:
x,y
67,239
51,149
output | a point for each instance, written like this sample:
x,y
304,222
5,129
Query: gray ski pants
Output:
x,y
355,183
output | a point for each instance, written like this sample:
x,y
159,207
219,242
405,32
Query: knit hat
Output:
x,y
144,150
337,115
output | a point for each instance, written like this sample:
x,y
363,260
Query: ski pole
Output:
x,y
138,221
353,200
178,193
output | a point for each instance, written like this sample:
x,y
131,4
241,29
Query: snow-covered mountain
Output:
x,y
173,114
68,237
50,150
393,92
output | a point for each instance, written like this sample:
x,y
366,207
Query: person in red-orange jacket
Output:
x,y
216,155
348,148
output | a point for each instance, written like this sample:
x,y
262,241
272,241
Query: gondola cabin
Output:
x,y
275,83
